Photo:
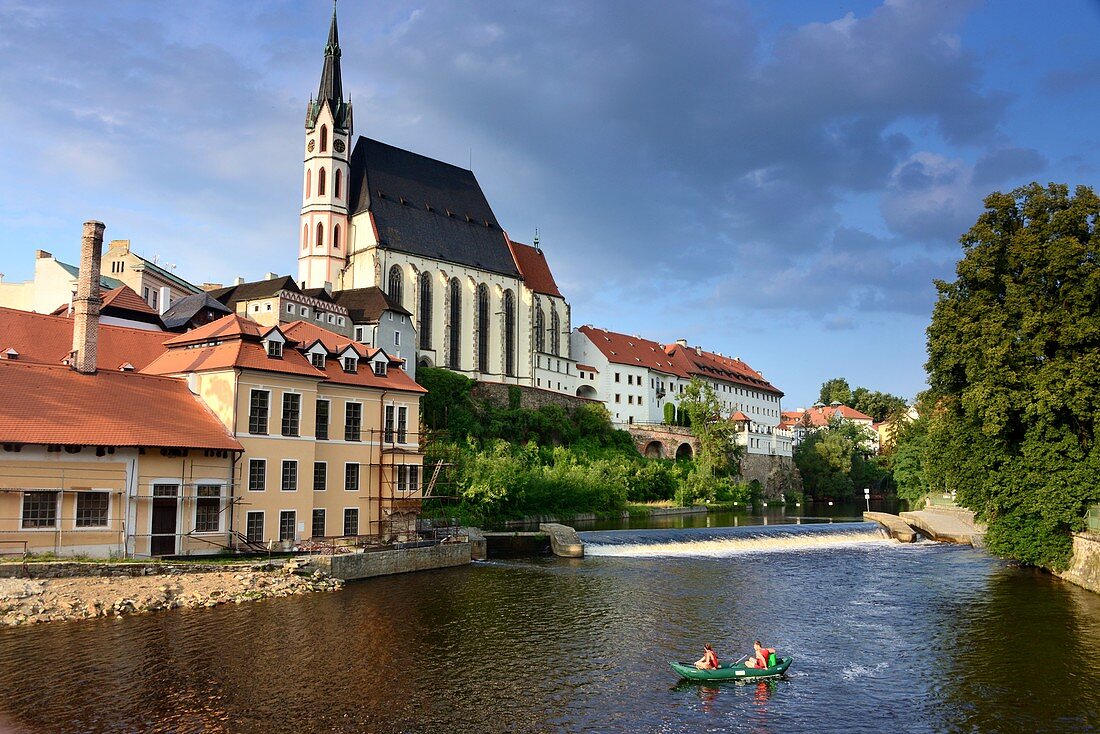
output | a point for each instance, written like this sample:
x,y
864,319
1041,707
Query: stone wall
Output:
x,y
531,398
348,566
663,442
69,569
1084,569
778,475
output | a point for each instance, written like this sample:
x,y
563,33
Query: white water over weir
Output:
x,y
723,542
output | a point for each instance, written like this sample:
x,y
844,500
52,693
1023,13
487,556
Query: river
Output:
x,y
885,637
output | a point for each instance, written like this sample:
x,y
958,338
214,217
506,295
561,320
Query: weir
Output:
x,y
722,542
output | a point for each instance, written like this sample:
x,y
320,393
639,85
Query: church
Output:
x,y
375,216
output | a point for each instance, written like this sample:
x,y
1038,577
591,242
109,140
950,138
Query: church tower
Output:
x,y
323,245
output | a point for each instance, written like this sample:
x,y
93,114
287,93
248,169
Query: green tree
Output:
x,y
878,405
670,414
834,461
1014,371
718,449
907,460
835,390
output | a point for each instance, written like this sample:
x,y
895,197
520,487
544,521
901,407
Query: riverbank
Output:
x,y
27,601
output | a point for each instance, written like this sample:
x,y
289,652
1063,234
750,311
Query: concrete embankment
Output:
x,y
564,541
894,526
371,563
1084,568
109,590
560,540
947,525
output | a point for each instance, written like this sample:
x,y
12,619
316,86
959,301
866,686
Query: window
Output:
x,y
331,319
454,324
320,234
540,329
389,424
317,360
309,187
351,364
322,420
292,411
290,308
397,338
402,424
155,294
509,333
254,527
353,418
337,184
395,284
616,377
290,476
617,397
208,508
380,367
324,138
336,237
91,509
483,328
630,399
555,332
305,312
351,521
287,521
321,182
359,333
339,320
39,509
257,475
305,236
402,479
351,477
318,523
320,476
424,312
414,478
257,412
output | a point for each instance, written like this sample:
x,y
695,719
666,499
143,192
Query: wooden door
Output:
x,y
163,542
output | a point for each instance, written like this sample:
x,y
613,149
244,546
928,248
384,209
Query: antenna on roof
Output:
x,y
536,240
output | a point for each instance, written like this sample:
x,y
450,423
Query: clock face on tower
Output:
x,y
338,146
311,145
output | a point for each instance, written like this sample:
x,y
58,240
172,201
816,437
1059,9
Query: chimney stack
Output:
x,y
87,302
682,343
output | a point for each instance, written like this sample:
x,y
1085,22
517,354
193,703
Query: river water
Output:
x,y
885,637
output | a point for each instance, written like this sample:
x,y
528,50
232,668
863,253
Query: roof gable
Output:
x,y
535,270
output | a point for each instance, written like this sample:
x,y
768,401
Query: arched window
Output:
x,y
309,182
425,311
336,237
540,328
337,186
320,234
555,332
483,328
509,333
455,318
305,236
321,182
324,138
394,289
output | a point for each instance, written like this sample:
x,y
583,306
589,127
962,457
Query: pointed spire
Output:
x,y
331,88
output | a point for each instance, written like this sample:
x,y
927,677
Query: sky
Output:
x,y
779,180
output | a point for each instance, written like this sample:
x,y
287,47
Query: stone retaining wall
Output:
x,y
531,398
1084,568
777,474
349,566
70,569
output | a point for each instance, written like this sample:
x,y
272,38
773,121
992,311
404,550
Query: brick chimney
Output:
x,y
87,301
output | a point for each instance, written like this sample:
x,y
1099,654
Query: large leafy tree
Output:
x,y
835,390
718,448
835,461
878,405
1014,370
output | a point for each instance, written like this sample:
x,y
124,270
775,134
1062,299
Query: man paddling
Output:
x,y
760,657
709,661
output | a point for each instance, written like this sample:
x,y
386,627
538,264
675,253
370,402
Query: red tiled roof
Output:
x,y
48,404
306,333
227,327
587,368
126,299
715,366
632,350
229,354
819,416
49,339
739,416
534,269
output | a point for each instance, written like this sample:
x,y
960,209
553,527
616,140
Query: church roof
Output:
x,y
366,305
426,207
536,271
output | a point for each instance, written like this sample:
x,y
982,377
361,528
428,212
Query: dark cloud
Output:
x,y
998,166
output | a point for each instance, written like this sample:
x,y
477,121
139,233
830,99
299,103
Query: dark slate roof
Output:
x,y
320,294
426,207
233,294
182,311
366,305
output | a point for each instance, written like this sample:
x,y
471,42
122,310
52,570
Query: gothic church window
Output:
x,y
338,183
321,182
483,328
540,329
455,334
395,283
425,311
336,237
320,234
309,182
555,332
509,333
324,138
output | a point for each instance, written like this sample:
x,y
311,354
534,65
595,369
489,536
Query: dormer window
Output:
x,y
274,348
318,360
351,364
380,368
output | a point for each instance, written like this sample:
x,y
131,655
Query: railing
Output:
x,y
1092,519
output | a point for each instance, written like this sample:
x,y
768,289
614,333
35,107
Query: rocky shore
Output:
x,y
33,600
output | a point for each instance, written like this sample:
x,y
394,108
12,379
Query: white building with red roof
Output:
x,y
636,377
805,421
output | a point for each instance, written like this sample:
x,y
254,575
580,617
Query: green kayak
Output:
x,y
736,671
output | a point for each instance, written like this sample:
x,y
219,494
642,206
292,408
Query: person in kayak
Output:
x,y
760,656
709,661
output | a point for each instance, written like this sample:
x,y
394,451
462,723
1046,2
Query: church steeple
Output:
x,y
331,87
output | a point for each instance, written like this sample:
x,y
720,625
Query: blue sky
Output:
x,y
775,180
